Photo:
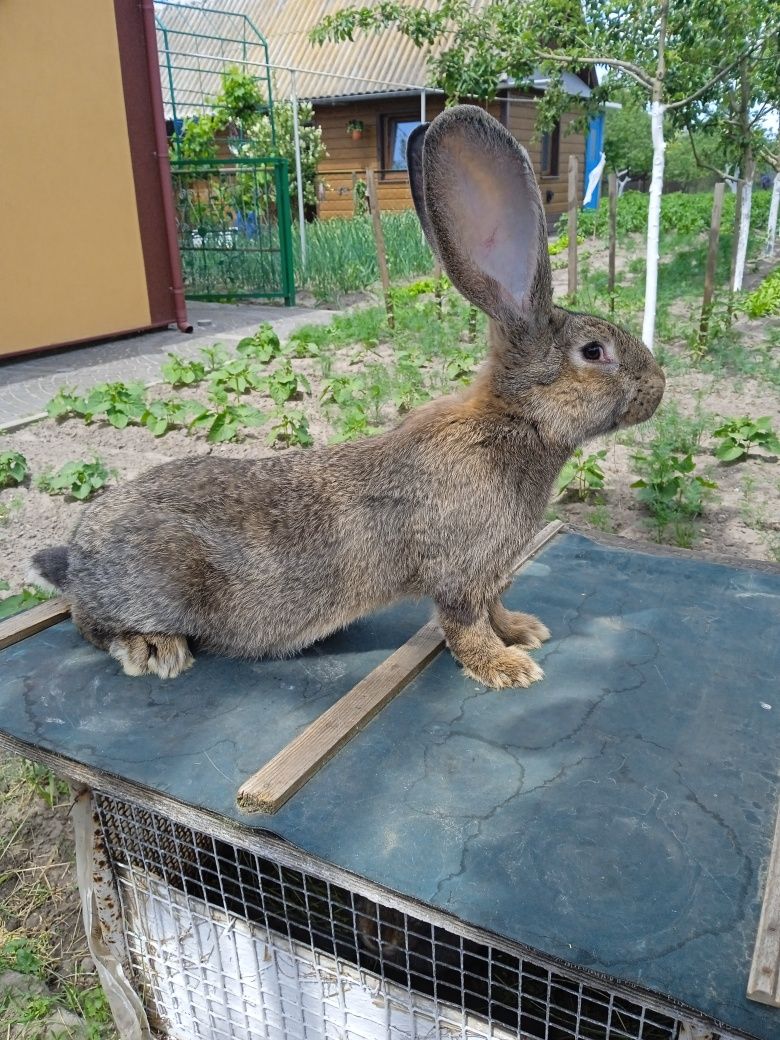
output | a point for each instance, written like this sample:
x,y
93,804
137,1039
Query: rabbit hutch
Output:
x,y
360,842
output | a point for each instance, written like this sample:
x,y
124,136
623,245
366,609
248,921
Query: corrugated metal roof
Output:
x,y
372,63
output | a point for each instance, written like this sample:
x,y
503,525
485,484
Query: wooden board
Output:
x,y
20,626
764,980
288,771
273,785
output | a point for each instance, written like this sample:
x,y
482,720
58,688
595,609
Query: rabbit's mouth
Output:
x,y
641,406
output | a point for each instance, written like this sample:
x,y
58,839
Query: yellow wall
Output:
x,y
71,264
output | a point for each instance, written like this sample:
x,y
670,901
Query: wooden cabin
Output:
x,y
368,94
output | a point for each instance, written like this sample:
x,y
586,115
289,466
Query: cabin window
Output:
x,y
551,145
397,131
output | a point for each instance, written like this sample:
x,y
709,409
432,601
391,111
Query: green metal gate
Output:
x,y
233,212
235,228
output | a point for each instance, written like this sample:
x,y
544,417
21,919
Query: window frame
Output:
x,y
387,122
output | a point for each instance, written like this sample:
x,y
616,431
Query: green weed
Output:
x,y
671,491
582,473
163,415
225,421
290,429
284,384
44,783
30,596
738,436
13,468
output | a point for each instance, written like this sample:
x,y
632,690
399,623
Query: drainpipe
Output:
x,y
161,145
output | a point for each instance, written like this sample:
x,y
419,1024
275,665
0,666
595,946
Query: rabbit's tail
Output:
x,y
50,568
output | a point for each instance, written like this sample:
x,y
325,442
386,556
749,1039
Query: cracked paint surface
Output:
x,y
617,815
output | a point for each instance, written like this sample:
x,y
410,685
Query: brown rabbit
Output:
x,y
263,558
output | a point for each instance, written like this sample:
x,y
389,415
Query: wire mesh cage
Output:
x,y
224,941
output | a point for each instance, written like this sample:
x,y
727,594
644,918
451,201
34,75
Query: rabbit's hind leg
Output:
x,y
517,629
143,653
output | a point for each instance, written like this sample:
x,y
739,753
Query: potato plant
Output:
x,y
78,479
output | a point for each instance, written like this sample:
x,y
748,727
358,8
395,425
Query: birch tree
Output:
x,y
673,52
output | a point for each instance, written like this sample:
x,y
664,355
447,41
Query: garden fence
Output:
x,y
234,228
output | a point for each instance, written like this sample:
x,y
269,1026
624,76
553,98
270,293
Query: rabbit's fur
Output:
x,y
263,558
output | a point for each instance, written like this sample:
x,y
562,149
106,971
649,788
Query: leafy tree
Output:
x,y
312,148
627,141
240,114
673,52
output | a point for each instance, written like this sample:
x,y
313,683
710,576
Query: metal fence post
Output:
x,y
284,226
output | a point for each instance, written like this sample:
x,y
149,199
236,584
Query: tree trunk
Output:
x,y
771,228
742,230
744,227
654,222
657,109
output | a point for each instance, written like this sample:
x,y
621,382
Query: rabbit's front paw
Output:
x,y
517,629
152,653
511,667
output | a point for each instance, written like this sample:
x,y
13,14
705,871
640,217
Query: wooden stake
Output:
x,y
379,241
712,262
20,626
572,227
613,197
437,290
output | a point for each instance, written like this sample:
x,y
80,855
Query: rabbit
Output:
x,y
262,558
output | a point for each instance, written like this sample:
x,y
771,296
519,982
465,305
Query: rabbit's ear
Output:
x,y
414,163
486,214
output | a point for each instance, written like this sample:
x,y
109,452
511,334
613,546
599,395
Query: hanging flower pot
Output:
x,y
355,129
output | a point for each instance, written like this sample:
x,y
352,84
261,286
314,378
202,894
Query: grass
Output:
x,y
38,927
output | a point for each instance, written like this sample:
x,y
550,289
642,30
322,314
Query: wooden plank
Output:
x,y
273,785
20,626
288,771
764,979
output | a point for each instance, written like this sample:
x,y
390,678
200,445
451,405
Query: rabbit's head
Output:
x,y
572,375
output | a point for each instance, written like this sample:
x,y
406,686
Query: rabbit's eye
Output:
x,y
593,351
